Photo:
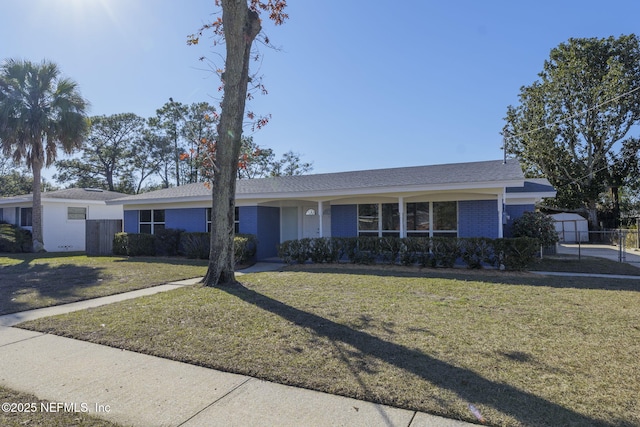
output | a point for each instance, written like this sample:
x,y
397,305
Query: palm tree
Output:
x,y
40,111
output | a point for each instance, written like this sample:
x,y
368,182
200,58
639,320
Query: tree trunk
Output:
x,y
241,26
592,213
36,211
615,193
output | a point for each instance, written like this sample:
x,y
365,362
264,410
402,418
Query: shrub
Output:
x,y
477,251
167,241
14,239
324,249
445,251
293,251
120,244
516,253
195,245
244,248
389,248
141,244
536,225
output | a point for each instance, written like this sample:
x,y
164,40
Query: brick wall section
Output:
x,y
131,221
187,219
344,220
478,218
515,211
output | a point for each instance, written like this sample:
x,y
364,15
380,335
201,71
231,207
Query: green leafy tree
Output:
x,y
239,26
40,112
106,160
290,164
572,126
200,121
14,179
256,161
169,122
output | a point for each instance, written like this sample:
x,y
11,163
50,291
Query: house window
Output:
x,y
76,213
26,215
445,219
151,220
379,219
418,223
236,220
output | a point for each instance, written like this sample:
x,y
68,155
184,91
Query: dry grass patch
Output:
x,y
40,418
525,350
29,281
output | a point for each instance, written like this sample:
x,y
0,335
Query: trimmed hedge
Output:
x,y
14,239
512,254
171,242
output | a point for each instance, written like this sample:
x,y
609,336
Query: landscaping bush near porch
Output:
x,y
170,242
14,239
512,254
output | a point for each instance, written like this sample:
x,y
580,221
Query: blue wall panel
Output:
x,y
248,217
478,218
268,221
344,220
187,219
131,221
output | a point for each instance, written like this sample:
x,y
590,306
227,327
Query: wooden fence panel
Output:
x,y
99,235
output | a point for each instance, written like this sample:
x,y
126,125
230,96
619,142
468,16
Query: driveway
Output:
x,y
631,256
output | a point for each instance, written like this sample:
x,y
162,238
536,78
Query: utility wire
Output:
x,y
574,115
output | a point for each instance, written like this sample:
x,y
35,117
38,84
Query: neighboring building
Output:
x,y
477,199
571,227
64,215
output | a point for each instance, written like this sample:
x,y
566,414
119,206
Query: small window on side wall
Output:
x,y
76,213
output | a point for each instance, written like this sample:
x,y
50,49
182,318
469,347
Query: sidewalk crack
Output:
x,y
215,401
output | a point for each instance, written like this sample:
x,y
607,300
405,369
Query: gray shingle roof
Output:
x,y
423,177
82,194
68,193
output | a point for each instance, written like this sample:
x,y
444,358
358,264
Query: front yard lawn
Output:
x,y
29,281
26,410
526,350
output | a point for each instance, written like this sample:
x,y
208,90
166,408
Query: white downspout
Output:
x,y
320,209
501,198
403,232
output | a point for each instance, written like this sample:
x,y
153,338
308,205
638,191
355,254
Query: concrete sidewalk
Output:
x,y
141,390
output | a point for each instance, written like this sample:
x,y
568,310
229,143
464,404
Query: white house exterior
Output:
x,y
64,215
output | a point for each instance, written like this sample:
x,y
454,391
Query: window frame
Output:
x,y
70,216
26,216
378,211
236,220
154,223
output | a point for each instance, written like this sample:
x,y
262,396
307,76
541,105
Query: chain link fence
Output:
x,y
605,242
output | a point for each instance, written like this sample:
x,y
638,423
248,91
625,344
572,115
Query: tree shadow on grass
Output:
x,y
469,386
487,276
27,286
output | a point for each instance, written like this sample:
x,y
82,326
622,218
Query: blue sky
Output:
x,y
357,84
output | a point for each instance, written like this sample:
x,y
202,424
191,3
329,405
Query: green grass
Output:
x,y
524,349
29,281
36,417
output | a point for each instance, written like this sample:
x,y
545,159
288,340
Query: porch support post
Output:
x,y
501,214
403,232
320,209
